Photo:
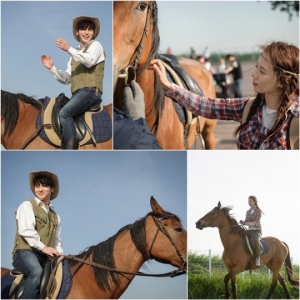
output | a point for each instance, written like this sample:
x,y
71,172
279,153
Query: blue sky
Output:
x,y
108,189
231,177
28,30
223,26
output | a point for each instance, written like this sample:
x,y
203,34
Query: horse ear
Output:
x,y
155,206
219,204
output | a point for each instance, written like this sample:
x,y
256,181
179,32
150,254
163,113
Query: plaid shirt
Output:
x,y
253,219
254,134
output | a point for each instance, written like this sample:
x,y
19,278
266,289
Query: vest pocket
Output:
x,y
41,219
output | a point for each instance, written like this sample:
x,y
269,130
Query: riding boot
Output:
x,y
70,145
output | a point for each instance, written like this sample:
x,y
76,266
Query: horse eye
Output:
x,y
142,6
178,229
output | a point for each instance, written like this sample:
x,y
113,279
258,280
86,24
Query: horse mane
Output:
x,y
10,109
235,227
103,252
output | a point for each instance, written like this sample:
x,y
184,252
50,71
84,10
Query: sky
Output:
x,y
109,189
28,30
223,26
231,177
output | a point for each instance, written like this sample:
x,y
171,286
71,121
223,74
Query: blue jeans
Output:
x,y
31,264
80,102
238,88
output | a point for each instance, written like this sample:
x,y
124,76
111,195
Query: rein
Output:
x,y
93,264
160,226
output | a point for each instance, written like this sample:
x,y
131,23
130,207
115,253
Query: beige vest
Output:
x,y
82,77
46,225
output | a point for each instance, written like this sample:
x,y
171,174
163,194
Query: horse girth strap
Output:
x,y
37,131
174,273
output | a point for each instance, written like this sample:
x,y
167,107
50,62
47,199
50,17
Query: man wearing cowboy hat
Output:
x,y
38,231
85,72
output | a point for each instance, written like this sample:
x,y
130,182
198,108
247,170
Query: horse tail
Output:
x,y
289,269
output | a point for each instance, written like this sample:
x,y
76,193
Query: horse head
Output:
x,y
211,219
167,239
136,37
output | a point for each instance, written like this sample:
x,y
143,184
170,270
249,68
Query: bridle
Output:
x,y
160,227
211,221
130,72
217,214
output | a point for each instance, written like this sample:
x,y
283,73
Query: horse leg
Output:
x,y
226,279
282,282
273,284
233,286
208,133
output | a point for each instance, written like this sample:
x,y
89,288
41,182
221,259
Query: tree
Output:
x,y
291,7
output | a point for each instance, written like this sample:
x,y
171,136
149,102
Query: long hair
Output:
x,y
285,61
255,201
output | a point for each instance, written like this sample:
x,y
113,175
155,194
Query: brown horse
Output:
x,y
235,257
104,271
18,118
136,42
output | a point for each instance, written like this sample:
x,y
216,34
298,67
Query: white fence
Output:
x,y
210,267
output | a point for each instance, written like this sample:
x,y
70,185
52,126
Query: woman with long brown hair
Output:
x,y
253,216
276,84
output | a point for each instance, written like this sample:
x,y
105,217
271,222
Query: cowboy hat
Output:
x,y
85,18
51,176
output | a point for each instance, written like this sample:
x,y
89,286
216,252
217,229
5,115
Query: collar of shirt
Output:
x,y
85,46
42,204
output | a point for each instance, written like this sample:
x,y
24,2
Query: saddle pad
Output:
x,y
6,282
102,126
264,247
66,281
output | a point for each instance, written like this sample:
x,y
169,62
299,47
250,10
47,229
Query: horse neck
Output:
x,y
146,81
228,239
126,258
24,128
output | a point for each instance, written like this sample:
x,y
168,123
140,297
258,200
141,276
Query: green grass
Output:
x,y
255,286
250,286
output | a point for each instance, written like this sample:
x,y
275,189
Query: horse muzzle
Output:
x,y
200,224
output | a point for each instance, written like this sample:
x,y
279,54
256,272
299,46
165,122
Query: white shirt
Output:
x,y
26,226
93,56
269,117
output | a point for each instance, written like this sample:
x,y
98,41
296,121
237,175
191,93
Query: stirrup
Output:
x,y
257,262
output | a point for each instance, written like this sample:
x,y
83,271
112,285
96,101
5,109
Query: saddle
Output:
x,y
249,245
51,281
178,75
91,127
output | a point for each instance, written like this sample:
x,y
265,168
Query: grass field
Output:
x,y
202,285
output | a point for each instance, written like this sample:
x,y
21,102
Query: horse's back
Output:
x,y
6,282
4,271
203,77
275,242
